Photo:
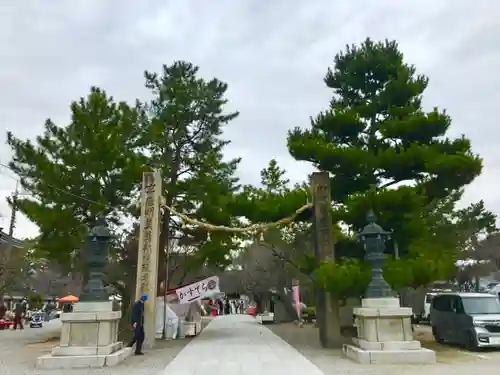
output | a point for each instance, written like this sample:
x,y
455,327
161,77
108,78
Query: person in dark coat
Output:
x,y
137,319
19,313
3,310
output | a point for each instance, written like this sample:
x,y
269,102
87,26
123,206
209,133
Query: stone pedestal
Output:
x,y
385,335
89,338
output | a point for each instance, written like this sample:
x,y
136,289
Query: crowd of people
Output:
x,y
16,316
226,306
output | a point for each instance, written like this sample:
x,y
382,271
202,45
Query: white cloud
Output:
x,y
273,55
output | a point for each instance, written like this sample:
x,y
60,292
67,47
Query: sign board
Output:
x,y
199,290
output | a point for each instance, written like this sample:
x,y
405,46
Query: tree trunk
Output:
x,y
287,303
164,241
124,330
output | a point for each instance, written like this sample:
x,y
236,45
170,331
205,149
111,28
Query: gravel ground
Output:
x,y
450,360
20,349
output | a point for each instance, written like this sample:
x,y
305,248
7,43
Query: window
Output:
x,y
481,305
459,306
442,303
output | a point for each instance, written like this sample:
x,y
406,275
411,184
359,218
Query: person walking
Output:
x,y
19,312
137,319
3,310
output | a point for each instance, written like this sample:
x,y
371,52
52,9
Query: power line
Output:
x,y
56,188
258,227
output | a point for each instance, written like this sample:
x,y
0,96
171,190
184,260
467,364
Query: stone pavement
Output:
x,y
19,349
238,345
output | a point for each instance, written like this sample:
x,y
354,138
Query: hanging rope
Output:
x,y
257,227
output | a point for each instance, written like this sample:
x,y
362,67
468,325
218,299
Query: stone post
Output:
x,y
327,308
147,260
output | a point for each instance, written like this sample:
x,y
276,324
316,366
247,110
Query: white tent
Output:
x,y
172,320
189,317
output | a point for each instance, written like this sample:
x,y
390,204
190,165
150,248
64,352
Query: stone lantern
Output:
x,y
97,258
384,330
373,237
89,334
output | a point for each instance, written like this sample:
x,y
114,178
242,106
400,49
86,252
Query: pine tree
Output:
x,y
183,138
381,148
376,135
76,172
272,178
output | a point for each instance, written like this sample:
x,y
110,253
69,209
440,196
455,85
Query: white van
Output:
x,y
426,316
495,290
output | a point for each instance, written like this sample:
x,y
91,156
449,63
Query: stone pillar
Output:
x,y
327,313
147,261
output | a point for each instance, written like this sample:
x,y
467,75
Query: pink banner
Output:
x,y
296,297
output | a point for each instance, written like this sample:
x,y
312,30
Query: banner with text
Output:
x,y
198,290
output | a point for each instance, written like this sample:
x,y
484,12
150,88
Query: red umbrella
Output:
x,y
69,298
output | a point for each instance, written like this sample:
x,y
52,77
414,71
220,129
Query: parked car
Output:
x,y
36,320
468,319
491,285
5,324
495,290
426,315
54,314
309,314
425,312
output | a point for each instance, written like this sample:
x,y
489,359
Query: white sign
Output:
x,y
199,290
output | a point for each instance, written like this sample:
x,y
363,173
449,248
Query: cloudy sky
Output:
x,y
273,54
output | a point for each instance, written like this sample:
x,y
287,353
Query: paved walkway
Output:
x,y
238,345
19,349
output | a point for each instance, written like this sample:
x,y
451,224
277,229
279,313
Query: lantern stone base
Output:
x,y
385,335
89,338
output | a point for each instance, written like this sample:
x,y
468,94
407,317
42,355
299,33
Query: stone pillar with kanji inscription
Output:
x,y
327,308
147,261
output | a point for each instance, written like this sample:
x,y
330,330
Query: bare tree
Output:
x,y
268,270
15,271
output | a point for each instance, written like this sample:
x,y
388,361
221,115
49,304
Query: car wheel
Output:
x,y
471,342
436,335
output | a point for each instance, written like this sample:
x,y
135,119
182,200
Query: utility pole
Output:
x,y
12,224
5,257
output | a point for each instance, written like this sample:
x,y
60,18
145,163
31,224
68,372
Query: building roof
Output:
x,y
4,239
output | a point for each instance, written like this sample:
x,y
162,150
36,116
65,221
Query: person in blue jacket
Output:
x,y
137,319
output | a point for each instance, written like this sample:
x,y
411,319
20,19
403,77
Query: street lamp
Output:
x,y
373,238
